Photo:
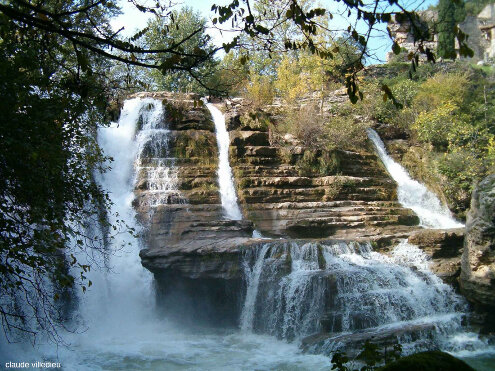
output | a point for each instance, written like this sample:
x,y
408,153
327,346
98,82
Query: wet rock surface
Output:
x,y
197,256
353,343
341,194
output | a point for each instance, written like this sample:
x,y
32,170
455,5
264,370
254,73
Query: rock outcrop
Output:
x,y
444,247
477,278
289,190
191,209
286,191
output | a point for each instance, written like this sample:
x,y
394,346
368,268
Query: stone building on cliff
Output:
x,y
480,28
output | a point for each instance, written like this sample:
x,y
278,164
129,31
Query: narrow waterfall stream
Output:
x,y
414,195
253,279
233,212
225,178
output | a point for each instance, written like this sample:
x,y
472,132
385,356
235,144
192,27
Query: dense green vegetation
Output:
x,y
448,114
445,110
447,22
161,35
53,95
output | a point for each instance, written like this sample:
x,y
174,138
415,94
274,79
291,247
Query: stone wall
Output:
x,y
480,30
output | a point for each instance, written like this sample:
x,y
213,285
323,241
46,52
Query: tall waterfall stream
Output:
x,y
290,285
225,177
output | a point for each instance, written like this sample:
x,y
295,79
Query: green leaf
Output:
x,y
396,48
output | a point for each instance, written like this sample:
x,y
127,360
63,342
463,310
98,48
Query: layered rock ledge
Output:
x,y
477,278
289,190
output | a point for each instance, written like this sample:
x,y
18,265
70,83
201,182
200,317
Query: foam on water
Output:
x,y
118,327
289,285
355,289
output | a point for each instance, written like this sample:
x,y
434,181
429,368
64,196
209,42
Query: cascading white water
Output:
x,y
124,330
124,294
253,279
153,161
225,179
354,289
414,195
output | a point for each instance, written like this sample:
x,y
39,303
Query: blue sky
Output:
x,y
132,20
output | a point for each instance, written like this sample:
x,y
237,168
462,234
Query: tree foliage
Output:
x,y
190,26
55,58
449,116
446,36
53,97
309,21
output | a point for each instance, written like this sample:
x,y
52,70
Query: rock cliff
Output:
x,y
289,190
478,259
286,191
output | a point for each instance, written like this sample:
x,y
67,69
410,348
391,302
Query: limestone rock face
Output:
x,y
190,203
289,190
444,247
285,190
478,260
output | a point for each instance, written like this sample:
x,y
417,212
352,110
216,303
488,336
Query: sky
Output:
x,y
133,20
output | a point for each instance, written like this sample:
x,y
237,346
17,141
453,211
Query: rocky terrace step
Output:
x,y
329,204
294,181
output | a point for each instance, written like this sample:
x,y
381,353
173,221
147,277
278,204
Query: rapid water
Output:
x,y
253,279
348,288
414,195
225,178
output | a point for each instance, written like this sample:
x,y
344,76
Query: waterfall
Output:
x,y
294,289
253,278
124,293
153,162
414,195
121,329
347,288
225,179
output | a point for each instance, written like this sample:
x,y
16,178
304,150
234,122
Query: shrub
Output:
x,y
259,91
345,133
442,88
490,150
434,126
196,146
307,125
460,169
286,155
318,162
306,165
